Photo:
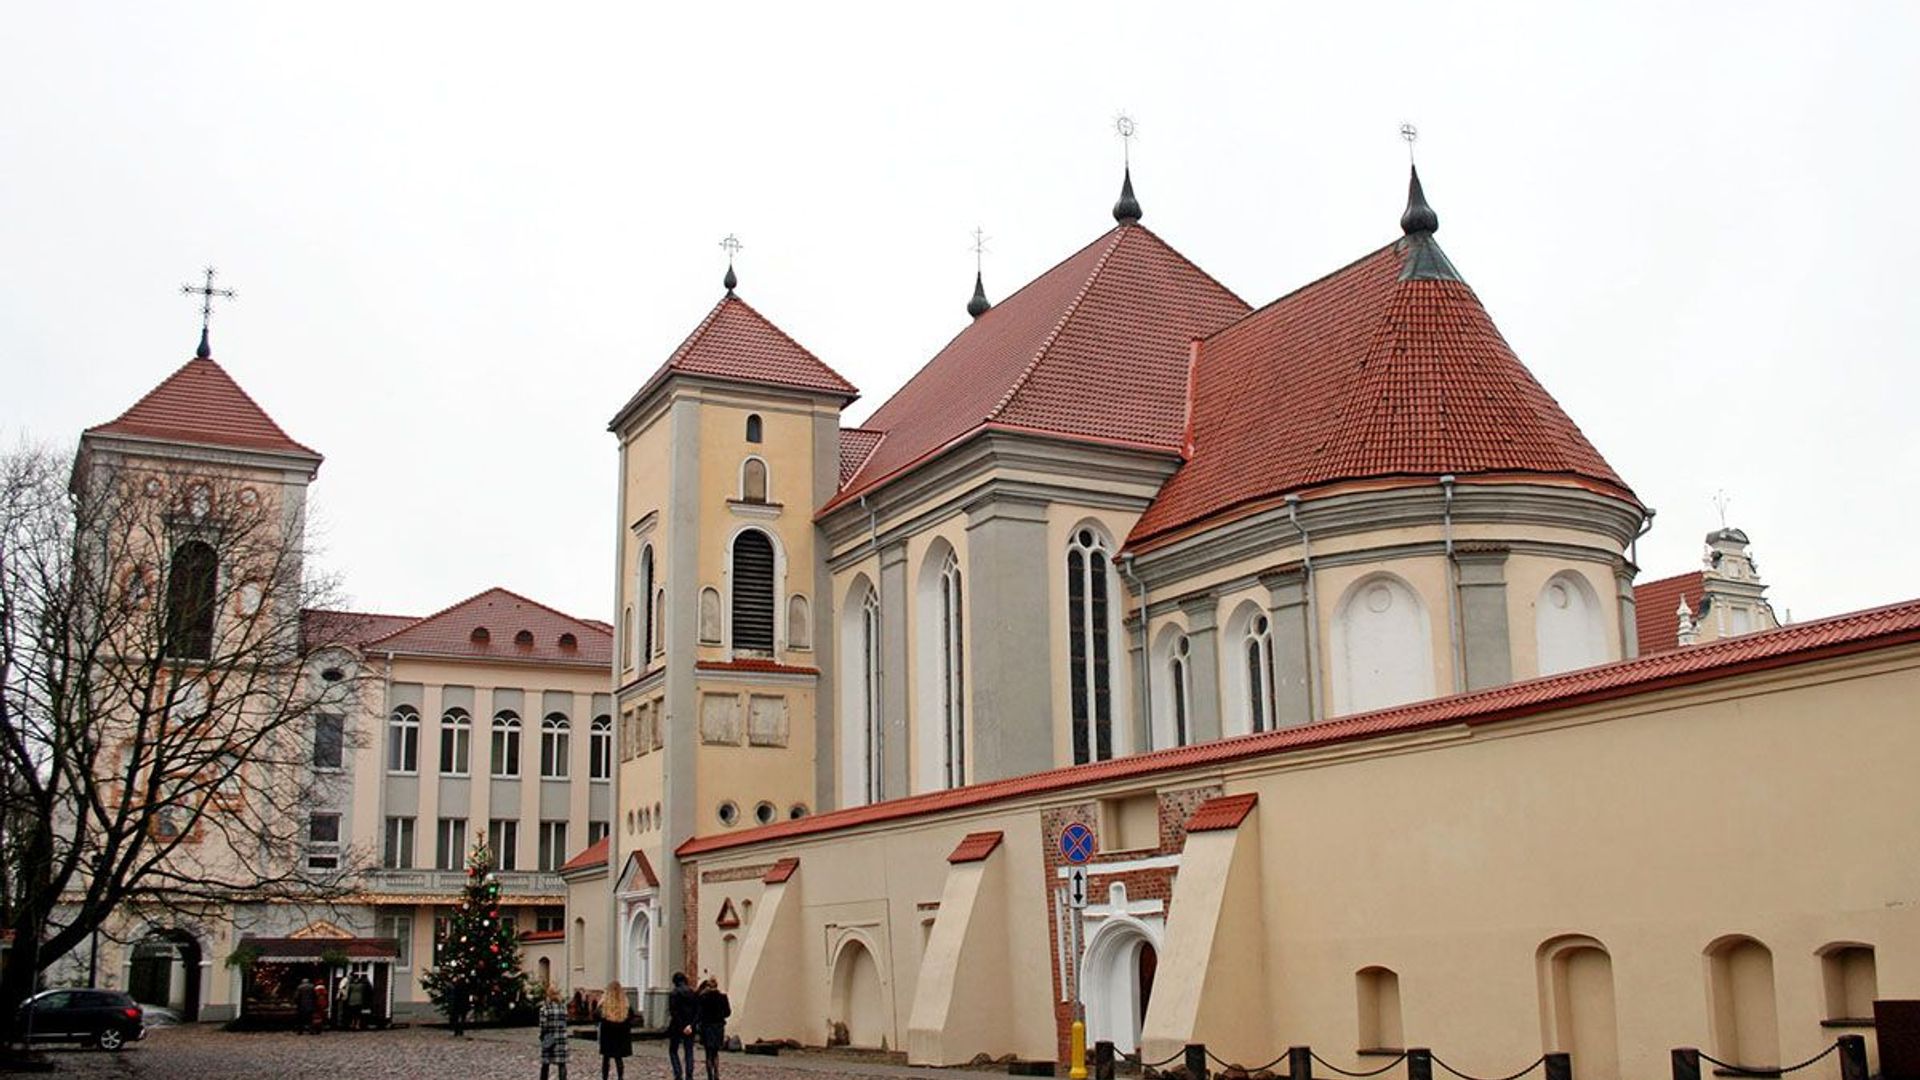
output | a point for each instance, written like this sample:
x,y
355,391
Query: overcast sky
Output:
x,y
463,236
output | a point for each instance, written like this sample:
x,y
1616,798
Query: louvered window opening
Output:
x,y
753,593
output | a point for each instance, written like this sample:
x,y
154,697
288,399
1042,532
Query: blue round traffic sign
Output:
x,y
1076,843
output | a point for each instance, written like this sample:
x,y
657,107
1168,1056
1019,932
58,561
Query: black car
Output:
x,y
107,1018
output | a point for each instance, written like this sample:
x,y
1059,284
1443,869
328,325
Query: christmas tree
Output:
x,y
480,956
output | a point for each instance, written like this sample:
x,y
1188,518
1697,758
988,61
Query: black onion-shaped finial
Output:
x,y
978,306
205,351
1127,210
1419,217
731,281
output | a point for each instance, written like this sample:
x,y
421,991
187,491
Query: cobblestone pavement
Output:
x,y
204,1052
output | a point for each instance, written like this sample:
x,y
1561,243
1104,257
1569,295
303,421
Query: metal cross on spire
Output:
x,y
1412,135
1125,126
206,293
731,245
979,248
1722,500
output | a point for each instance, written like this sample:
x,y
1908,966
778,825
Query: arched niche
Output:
x,y
1382,646
1570,632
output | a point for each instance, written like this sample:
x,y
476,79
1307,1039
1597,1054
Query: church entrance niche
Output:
x,y
639,952
1119,970
859,1015
164,973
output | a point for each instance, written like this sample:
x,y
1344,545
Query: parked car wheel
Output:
x,y
111,1039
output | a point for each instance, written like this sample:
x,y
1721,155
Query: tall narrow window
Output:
x,y
403,740
191,582
1177,685
753,592
449,845
870,699
456,741
1089,647
323,841
753,427
1259,654
953,696
659,620
503,836
553,845
799,623
397,852
329,741
629,645
600,748
646,599
506,744
753,480
555,737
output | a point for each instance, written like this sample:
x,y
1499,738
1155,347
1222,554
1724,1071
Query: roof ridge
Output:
x,y
789,338
1197,268
706,323
1297,290
483,592
225,376
1066,316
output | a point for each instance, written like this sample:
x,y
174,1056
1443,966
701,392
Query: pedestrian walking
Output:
x,y
553,1034
303,1007
457,1004
683,1013
614,1030
713,1012
359,992
318,1022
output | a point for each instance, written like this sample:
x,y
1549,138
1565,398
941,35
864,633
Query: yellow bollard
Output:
x,y
1077,1070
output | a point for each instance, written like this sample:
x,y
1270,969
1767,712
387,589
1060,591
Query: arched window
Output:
x,y
629,646
753,592
799,623
1568,628
192,580
1382,646
870,672
506,744
600,748
659,620
403,740
1178,682
1171,712
753,480
753,427
1257,650
1090,646
645,590
953,679
456,741
555,735
860,731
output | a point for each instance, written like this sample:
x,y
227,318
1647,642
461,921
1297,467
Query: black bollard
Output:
x,y
1853,1057
1560,1067
1300,1062
1103,1061
1419,1063
1686,1063
1197,1061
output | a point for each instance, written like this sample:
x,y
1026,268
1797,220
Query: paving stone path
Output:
x,y
204,1052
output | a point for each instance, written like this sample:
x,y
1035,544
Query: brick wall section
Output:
x,y
736,873
690,918
1174,810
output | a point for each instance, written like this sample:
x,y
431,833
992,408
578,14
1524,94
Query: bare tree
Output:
x,y
160,704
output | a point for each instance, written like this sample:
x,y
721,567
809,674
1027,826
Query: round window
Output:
x,y
333,674
765,813
796,812
729,813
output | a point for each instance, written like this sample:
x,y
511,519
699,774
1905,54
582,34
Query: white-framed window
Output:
x,y
396,849
400,929
503,836
600,748
450,844
329,741
456,742
555,742
403,740
323,840
553,845
753,592
1090,646
596,830
506,744
1256,658
953,679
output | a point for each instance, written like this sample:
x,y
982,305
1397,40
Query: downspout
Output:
x,y
1146,648
1629,635
1313,609
1646,526
1454,645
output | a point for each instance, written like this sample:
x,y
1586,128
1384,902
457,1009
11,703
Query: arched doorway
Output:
x,y
1121,961
859,1016
164,973
640,951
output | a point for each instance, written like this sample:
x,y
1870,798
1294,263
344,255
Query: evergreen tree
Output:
x,y
480,954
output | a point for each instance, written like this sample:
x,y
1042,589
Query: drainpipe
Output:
x,y
1646,526
1146,648
1454,645
1313,609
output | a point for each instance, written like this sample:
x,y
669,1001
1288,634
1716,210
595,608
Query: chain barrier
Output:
x,y
1136,1058
1748,1070
1255,1069
1464,1076
1360,1075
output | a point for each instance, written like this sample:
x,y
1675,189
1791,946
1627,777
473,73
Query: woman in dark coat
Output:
x,y
614,1031
714,1010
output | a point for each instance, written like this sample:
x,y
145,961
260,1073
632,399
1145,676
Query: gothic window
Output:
x,y
600,748
1258,651
646,598
753,480
859,713
403,740
753,592
506,744
953,703
799,623
870,697
1090,646
191,582
753,427
555,737
1178,683
456,741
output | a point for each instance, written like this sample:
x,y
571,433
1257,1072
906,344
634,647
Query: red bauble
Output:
x,y
495,948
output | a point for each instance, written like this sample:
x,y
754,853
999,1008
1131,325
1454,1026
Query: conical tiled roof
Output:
x,y
737,343
200,404
1367,374
1094,348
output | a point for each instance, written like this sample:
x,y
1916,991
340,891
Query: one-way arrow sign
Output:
x,y
1077,887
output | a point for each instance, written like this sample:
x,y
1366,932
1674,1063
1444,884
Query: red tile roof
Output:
x,y
1223,812
1094,348
202,405
1656,609
781,871
596,854
737,343
856,445
748,663
1363,376
1842,635
354,629
975,847
535,936
503,614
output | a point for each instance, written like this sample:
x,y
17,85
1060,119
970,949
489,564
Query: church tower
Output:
x,y
723,706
